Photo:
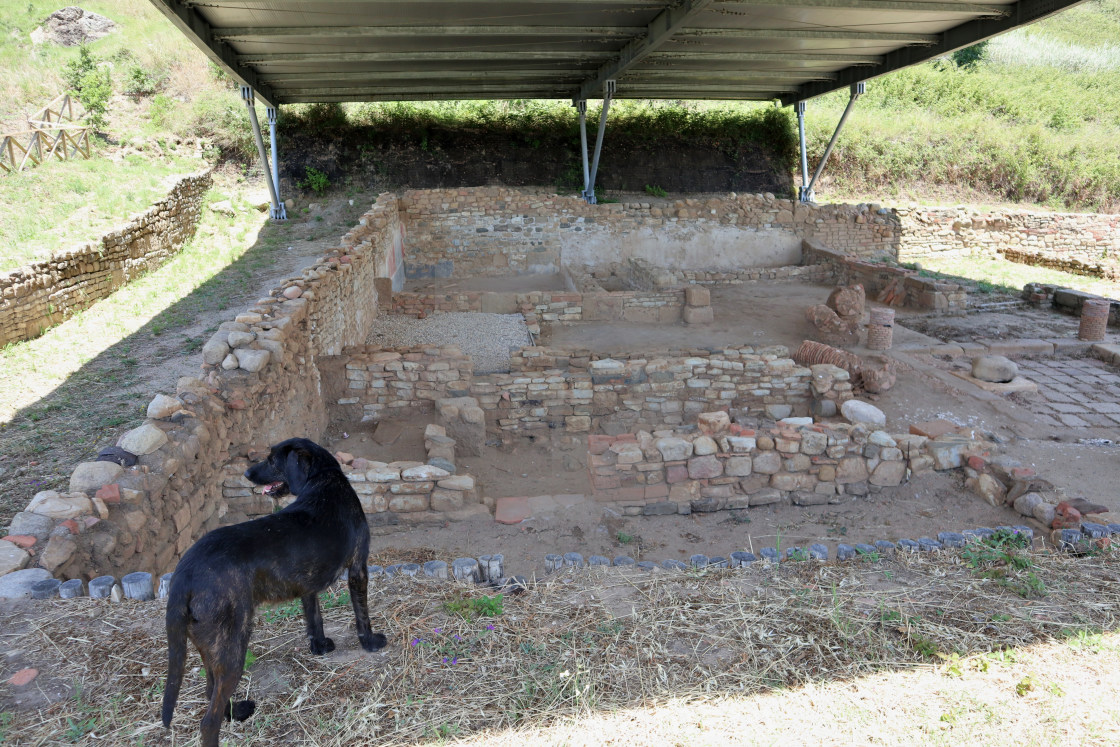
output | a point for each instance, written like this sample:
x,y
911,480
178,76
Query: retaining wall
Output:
x,y
1086,243
260,383
493,231
43,294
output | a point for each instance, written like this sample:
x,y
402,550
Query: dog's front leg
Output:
x,y
313,617
358,581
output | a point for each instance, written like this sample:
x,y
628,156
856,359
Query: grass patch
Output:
x,y
996,274
62,203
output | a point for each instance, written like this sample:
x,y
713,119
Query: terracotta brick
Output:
x,y
26,541
511,509
110,493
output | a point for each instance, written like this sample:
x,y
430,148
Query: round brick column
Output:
x,y
1094,319
880,329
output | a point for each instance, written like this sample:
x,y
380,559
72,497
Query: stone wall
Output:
x,y
1077,242
494,231
38,296
896,286
721,465
576,391
163,486
391,493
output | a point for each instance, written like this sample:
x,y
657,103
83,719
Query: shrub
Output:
x,y
316,181
140,82
969,56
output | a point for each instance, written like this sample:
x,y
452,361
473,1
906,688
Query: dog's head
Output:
x,y
287,468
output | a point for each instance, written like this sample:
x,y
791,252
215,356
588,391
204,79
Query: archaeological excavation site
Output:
x,y
722,380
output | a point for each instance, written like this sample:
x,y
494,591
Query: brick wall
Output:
x,y
38,296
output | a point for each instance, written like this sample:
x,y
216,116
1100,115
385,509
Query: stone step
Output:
x,y
979,308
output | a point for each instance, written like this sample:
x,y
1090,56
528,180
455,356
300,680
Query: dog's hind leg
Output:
x,y
313,618
358,581
223,655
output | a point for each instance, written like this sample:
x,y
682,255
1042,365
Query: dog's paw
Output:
x,y
320,646
373,641
242,709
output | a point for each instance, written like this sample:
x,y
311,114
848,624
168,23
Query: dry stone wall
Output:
x,y
140,506
38,296
721,465
1085,243
494,231
576,391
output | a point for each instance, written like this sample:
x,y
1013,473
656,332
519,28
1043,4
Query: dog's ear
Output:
x,y
297,465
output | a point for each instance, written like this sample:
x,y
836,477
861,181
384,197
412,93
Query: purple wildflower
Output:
x,y
415,641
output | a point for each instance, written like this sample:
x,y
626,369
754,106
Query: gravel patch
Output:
x,y
486,338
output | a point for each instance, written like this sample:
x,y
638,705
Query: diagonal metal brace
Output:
x,y
805,194
247,97
589,186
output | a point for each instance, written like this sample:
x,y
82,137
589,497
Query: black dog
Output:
x,y
296,552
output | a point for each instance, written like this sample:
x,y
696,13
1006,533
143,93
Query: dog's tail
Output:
x,y
178,616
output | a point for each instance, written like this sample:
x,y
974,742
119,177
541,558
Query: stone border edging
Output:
x,y
490,569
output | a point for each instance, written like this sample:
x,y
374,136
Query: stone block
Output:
x,y
697,295
698,315
704,467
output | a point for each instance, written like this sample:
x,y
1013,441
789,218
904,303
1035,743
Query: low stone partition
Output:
x,y
142,503
1068,300
720,465
43,294
368,383
391,493
895,286
578,391
552,306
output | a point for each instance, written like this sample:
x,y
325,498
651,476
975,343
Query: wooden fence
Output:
x,y
51,133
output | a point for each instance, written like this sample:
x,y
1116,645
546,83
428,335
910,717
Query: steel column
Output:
x,y
803,192
247,97
278,213
855,92
581,107
608,94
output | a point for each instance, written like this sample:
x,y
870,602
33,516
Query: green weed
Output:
x,y
624,538
475,607
316,181
656,191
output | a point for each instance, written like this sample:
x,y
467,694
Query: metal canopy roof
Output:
x,y
305,51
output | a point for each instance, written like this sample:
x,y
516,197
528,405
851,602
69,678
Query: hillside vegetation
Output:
x,y
1033,119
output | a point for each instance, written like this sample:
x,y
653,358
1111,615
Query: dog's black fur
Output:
x,y
296,552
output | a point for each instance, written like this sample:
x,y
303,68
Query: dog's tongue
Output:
x,y
271,487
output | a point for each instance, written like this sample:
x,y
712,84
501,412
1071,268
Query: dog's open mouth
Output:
x,y
276,489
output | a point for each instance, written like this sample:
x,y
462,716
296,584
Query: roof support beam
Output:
x,y
420,56
558,57
256,33
964,35
196,28
660,30
910,6
876,36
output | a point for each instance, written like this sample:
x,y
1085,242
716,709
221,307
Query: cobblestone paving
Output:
x,y
1075,392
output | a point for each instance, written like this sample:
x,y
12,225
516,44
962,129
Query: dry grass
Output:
x,y
916,647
